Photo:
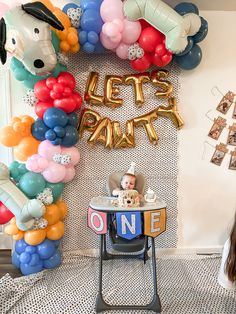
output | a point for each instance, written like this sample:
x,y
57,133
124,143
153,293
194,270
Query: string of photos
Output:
x,y
219,124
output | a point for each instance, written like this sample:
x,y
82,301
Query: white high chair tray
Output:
x,y
104,204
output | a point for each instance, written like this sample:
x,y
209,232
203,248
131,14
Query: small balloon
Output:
x,y
191,59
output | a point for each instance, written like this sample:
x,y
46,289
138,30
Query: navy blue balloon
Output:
x,y
71,137
39,129
69,6
60,131
99,48
73,119
186,7
15,259
54,116
190,60
91,21
203,31
91,4
53,261
27,269
46,249
50,135
20,246
188,48
57,141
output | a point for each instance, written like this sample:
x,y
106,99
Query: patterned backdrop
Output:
x,y
158,163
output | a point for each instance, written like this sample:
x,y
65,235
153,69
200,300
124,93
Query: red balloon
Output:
x,y
161,61
141,64
66,104
67,79
5,214
150,38
50,82
78,100
41,107
144,23
41,91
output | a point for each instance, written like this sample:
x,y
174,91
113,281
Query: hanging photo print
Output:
x,y
234,112
219,154
217,128
232,135
226,102
232,163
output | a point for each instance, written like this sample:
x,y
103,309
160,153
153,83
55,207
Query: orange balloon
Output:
x,y
63,18
18,236
64,46
72,38
63,209
52,214
8,137
35,237
48,4
28,146
11,229
27,119
75,48
55,232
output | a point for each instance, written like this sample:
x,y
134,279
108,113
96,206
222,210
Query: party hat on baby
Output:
x,y
131,169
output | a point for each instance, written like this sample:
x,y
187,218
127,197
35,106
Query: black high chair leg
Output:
x,y
101,305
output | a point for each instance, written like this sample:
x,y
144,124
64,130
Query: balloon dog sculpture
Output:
x,y
25,32
25,210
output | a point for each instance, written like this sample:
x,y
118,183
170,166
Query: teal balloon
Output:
x,y
191,59
55,41
32,183
57,189
17,170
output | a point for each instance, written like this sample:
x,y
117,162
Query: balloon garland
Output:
x,y
30,191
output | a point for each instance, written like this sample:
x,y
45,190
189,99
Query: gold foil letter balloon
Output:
x,y
146,121
165,86
137,81
171,112
110,91
123,140
89,121
90,97
102,133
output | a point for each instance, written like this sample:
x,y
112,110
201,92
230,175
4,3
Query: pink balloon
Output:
x,y
131,33
3,8
122,51
110,29
111,9
106,42
54,173
36,163
48,150
74,153
70,174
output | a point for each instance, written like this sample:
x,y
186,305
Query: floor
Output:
x,y
6,265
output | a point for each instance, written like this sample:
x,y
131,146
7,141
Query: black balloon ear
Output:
x,y
3,37
41,12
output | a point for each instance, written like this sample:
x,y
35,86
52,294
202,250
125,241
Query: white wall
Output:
x,y
206,192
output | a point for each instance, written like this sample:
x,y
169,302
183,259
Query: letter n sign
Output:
x,y
155,222
129,224
97,221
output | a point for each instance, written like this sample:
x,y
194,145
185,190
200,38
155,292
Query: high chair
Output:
x,y
101,220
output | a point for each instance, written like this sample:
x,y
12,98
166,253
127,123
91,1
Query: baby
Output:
x,y
127,195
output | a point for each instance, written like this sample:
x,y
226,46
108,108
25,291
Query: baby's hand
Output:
x,y
116,192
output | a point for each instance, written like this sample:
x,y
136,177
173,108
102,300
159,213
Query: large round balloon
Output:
x,y
191,59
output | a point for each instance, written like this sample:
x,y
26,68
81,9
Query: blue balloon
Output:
x,y
203,31
99,48
71,137
82,37
73,119
46,249
39,129
27,269
35,259
20,246
93,37
53,261
50,135
60,131
56,242
88,48
188,48
15,259
190,60
91,4
30,249
186,7
25,257
91,21
69,6
55,117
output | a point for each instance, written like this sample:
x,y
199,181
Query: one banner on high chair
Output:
x,y
128,225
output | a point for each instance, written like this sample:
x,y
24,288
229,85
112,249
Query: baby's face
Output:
x,y
128,182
